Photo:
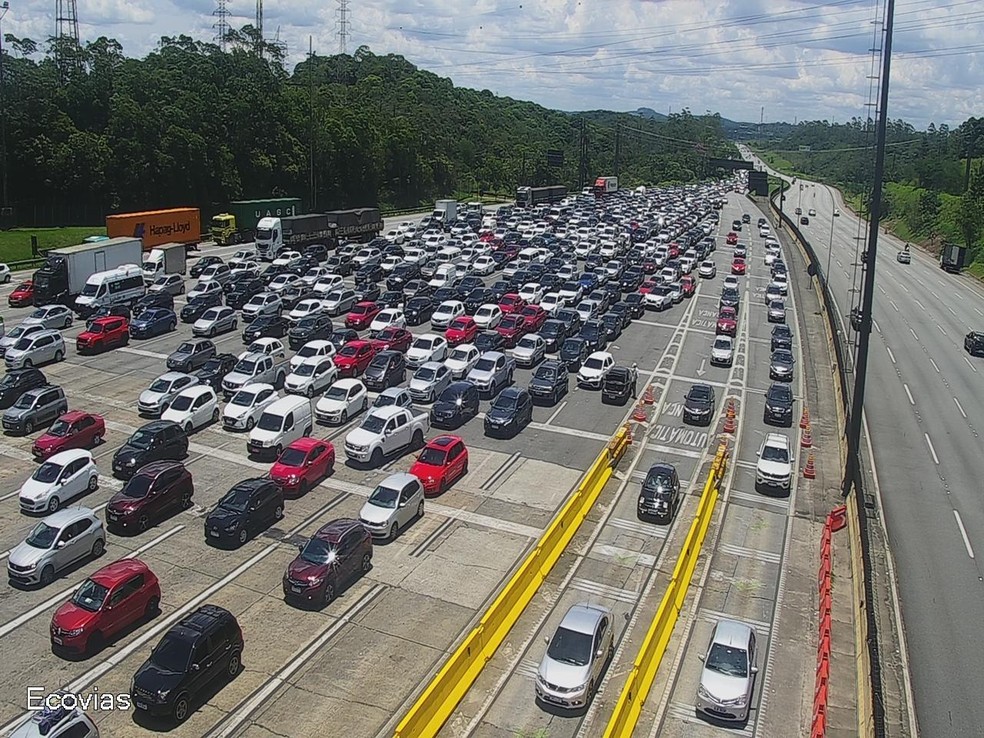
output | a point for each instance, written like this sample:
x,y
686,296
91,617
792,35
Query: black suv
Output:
x,y
155,441
266,326
309,328
18,381
215,370
197,306
620,384
203,647
779,405
242,290
387,369
153,300
573,352
550,382
659,497
458,402
595,334
782,338
553,332
251,506
974,343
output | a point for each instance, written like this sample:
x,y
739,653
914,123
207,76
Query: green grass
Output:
x,y
15,244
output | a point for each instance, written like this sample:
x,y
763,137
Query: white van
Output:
x,y
449,255
444,276
281,423
118,286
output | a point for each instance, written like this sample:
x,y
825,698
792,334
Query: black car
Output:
x,y
242,290
631,281
489,341
215,370
202,264
369,274
443,294
401,275
467,285
204,647
108,311
698,405
197,306
299,265
624,311
478,297
595,334
636,302
553,332
551,282
153,300
619,385
390,299
294,294
974,343
387,369
511,411
340,265
613,325
253,505
154,441
457,403
729,298
573,352
266,326
782,338
659,498
550,382
309,328
367,292
417,288
418,310
570,318
341,336
779,405
613,293
781,365
316,251
274,270
500,289
18,381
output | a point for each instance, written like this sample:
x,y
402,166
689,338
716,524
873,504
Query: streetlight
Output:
x,y
3,110
830,243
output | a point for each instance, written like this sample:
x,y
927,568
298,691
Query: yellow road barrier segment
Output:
x,y
440,698
640,679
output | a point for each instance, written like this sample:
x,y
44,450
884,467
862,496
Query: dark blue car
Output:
x,y
153,322
588,281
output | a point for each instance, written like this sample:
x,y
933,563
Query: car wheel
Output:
x,y
377,458
345,416
211,332
152,608
278,450
28,426
250,423
95,643
53,504
181,709
309,392
28,363
366,562
98,546
189,428
215,415
186,499
365,403
278,512
420,509
143,523
47,575
242,536
171,326
329,593
235,663
394,531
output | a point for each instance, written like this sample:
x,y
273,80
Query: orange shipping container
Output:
x,y
155,227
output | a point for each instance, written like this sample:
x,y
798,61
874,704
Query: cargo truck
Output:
x,y
65,271
157,227
953,258
356,224
274,235
238,223
445,211
527,197
606,185
168,258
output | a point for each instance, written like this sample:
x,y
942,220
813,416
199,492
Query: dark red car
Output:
x,y
649,266
338,553
462,330
486,236
74,429
353,358
106,604
303,464
738,266
535,316
442,462
647,287
361,315
157,491
511,303
673,250
103,334
727,322
512,328
731,239
392,338
688,285
22,295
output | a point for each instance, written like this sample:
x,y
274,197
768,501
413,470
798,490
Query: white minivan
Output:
x,y
281,423
118,286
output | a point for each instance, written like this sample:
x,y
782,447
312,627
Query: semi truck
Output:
x,y
65,271
527,197
953,258
276,234
605,185
445,211
157,227
356,224
238,223
168,258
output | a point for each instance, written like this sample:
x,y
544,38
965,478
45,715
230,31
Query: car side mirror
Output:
x,y
755,670
701,656
599,653
195,667
546,639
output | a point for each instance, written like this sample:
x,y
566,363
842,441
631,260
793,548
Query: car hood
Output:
x,y
121,503
293,380
480,374
237,377
454,364
523,351
203,323
773,467
221,517
327,405
445,407
500,415
375,514
25,555
126,452
141,324
71,617
419,353
151,678
421,384
721,352
282,471
13,353
723,687
562,675
176,416
361,437
47,442
785,365
426,471
697,405
150,397
303,570
33,489
588,372
179,356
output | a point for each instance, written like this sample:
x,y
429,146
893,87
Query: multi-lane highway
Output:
x,y
923,407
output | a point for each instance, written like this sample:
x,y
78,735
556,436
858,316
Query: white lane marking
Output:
x,y
921,306
882,290
556,412
952,311
970,364
904,287
963,532
978,312
913,334
890,354
934,366
911,401
894,305
875,323
960,408
142,352
941,329
936,459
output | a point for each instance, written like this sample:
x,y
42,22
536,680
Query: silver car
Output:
x,y
777,311
205,288
56,542
429,381
38,348
530,350
170,283
728,677
50,316
16,333
576,656
339,301
264,303
214,321
155,399
399,396
393,505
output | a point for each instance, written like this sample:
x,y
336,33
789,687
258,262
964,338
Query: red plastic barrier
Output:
x,y
836,520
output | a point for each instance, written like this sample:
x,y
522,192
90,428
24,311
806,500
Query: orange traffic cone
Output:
x,y
628,433
810,471
805,419
807,440
647,396
730,421
639,414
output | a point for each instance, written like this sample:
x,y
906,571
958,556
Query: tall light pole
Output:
x,y
830,243
3,111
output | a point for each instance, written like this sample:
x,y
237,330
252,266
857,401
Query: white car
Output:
x,y
314,275
312,349
429,381
282,282
529,350
483,265
659,297
399,396
722,351
395,504
394,235
775,462
488,316
446,312
707,270
241,257
264,303
305,308
771,254
731,283
4,273
63,477
311,376
686,264
427,347
594,369
586,310
205,288
837,212
267,346
328,283
386,318
345,398
193,408
50,316
462,360
244,269
531,292
772,293
390,263
285,257
552,301
781,281
247,405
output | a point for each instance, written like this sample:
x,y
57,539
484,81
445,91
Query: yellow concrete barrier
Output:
x,y
640,679
440,698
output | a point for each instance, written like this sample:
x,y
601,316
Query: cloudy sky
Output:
x,y
786,59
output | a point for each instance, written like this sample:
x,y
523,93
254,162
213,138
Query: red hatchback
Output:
x,y
102,334
511,303
74,429
303,464
731,239
443,461
727,322
22,295
462,330
534,316
512,328
738,266
392,338
107,603
353,358
361,315
688,285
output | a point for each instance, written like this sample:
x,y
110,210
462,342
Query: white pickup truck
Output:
x,y
384,431
254,369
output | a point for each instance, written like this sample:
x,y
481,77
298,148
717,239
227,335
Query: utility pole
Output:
x,y
313,196
3,110
259,28
221,24
618,146
583,165
343,26
868,293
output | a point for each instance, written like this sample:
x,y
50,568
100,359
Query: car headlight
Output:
x,y
74,632
162,694
131,462
704,694
232,526
736,702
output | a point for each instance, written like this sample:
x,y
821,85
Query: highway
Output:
x,y
923,408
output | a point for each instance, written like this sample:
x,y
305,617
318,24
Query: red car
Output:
x,y
688,285
738,266
74,429
727,322
103,334
353,358
392,338
731,239
158,490
303,464
361,315
535,316
647,287
462,330
22,295
443,461
649,266
106,604
335,555
486,236
512,328
673,250
511,303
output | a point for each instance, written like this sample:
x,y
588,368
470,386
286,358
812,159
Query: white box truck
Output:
x,y
445,210
62,277
168,258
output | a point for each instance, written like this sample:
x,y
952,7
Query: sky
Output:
x,y
745,59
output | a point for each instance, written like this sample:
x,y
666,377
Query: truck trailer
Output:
x,y
356,224
445,211
274,235
953,258
65,271
156,227
238,223
605,186
528,197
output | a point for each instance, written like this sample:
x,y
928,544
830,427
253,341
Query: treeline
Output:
x,y
91,131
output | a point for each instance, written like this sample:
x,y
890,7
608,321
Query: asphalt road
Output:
x,y
924,404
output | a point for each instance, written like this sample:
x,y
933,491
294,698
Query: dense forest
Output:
x,y
91,131
934,179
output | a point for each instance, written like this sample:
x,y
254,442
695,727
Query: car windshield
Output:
x,y
433,456
43,536
96,328
728,661
48,472
570,647
527,342
90,596
782,357
160,385
138,487
185,348
141,439
779,393
90,289
317,551
426,373
172,654
269,422
211,314
657,480
594,363
293,457
245,367
700,393
544,372
305,370
59,428
24,343
384,497
722,344
348,350
485,365
181,403
504,402
373,424
237,498
775,453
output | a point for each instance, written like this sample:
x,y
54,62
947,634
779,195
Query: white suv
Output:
x,y
775,462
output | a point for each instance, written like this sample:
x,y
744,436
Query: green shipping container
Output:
x,y
249,212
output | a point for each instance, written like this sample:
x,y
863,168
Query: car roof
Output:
x,y
347,383
70,455
197,390
445,441
512,392
306,443
398,480
776,439
118,571
333,531
387,411
67,516
732,633
600,355
583,617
